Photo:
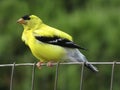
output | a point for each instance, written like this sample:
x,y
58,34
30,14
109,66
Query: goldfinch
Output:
x,y
49,44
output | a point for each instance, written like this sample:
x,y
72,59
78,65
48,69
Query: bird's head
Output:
x,y
30,21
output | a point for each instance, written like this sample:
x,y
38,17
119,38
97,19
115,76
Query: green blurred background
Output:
x,y
94,24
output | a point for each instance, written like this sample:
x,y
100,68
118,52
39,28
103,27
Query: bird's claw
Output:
x,y
39,64
50,64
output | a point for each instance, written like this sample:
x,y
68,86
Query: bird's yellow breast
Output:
x,y
43,51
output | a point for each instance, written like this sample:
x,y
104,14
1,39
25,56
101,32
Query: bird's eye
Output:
x,y
26,17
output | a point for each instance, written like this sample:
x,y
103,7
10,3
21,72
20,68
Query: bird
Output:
x,y
49,44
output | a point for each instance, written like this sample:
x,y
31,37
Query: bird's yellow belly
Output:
x,y
46,52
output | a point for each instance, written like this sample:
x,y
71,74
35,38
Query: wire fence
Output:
x,y
57,71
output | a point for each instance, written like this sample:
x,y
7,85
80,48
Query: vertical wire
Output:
x,y
82,75
12,75
112,76
33,76
56,76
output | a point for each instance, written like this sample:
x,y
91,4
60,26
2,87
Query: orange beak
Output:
x,y
21,21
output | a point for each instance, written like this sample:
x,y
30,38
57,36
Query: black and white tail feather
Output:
x,y
74,55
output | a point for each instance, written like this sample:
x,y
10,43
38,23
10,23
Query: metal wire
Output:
x,y
112,76
82,74
31,64
33,76
12,74
56,74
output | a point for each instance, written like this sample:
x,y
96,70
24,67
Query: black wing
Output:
x,y
58,41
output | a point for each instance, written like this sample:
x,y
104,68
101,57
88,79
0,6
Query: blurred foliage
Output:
x,y
94,24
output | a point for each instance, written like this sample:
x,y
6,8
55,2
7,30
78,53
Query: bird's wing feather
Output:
x,y
52,37
58,41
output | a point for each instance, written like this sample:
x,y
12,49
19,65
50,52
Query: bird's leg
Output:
x,y
39,64
50,64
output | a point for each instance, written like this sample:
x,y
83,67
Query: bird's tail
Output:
x,y
75,55
87,64
91,67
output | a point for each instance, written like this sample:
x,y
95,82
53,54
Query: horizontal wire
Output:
x,y
65,63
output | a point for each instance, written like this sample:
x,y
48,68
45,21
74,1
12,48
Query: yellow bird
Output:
x,y
49,44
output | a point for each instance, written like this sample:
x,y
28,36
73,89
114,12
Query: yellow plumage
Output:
x,y
49,44
42,51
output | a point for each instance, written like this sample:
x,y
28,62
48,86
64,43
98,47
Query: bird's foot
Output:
x,y
50,64
39,64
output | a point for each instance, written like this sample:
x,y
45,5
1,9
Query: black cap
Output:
x,y
26,17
